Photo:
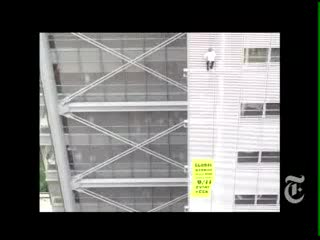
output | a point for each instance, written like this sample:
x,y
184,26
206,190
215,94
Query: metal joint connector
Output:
x,y
63,109
75,185
185,123
68,115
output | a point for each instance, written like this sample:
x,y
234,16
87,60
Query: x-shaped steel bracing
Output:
x,y
123,57
126,208
125,66
134,145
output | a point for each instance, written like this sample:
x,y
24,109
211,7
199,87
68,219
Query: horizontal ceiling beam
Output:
x,y
130,182
154,106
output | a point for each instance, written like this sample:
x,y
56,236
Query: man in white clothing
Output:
x,y
209,57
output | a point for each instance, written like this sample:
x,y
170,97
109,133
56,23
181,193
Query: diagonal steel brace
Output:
x,y
107,200
128,151
167,204
121,68
127,141
122,56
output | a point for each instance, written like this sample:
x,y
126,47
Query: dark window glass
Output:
x,y
132,53
272,109
251,109
270,157
176,54
110,35
275,55
267,199
256,55
248,157
132,35
244,199
180,42
133,43
153,35
92,35
115,44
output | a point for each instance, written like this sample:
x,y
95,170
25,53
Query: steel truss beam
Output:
x,y
131,143
126,208
134,145
130,182
123,57
107,200
121,68
169,203
152,106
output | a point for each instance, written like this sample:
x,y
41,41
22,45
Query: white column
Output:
x,y
58,141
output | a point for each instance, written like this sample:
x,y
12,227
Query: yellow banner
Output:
x,y
202,177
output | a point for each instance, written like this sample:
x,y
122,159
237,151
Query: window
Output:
x,y
275,55
248,157
272,109
244,199
251,109
260,109
270,157
267,199
255,55
253,157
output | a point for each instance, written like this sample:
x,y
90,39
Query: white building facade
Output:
x,y
234,119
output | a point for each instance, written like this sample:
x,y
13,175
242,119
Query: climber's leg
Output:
x,y
212,63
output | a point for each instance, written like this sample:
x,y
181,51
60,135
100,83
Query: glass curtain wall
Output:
x,y
76,64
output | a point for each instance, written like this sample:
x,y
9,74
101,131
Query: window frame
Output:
x,y
246,195
267,199
270,57
264,111
260,157
256,199
246,56
277,152
271,110
245,157
242,110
